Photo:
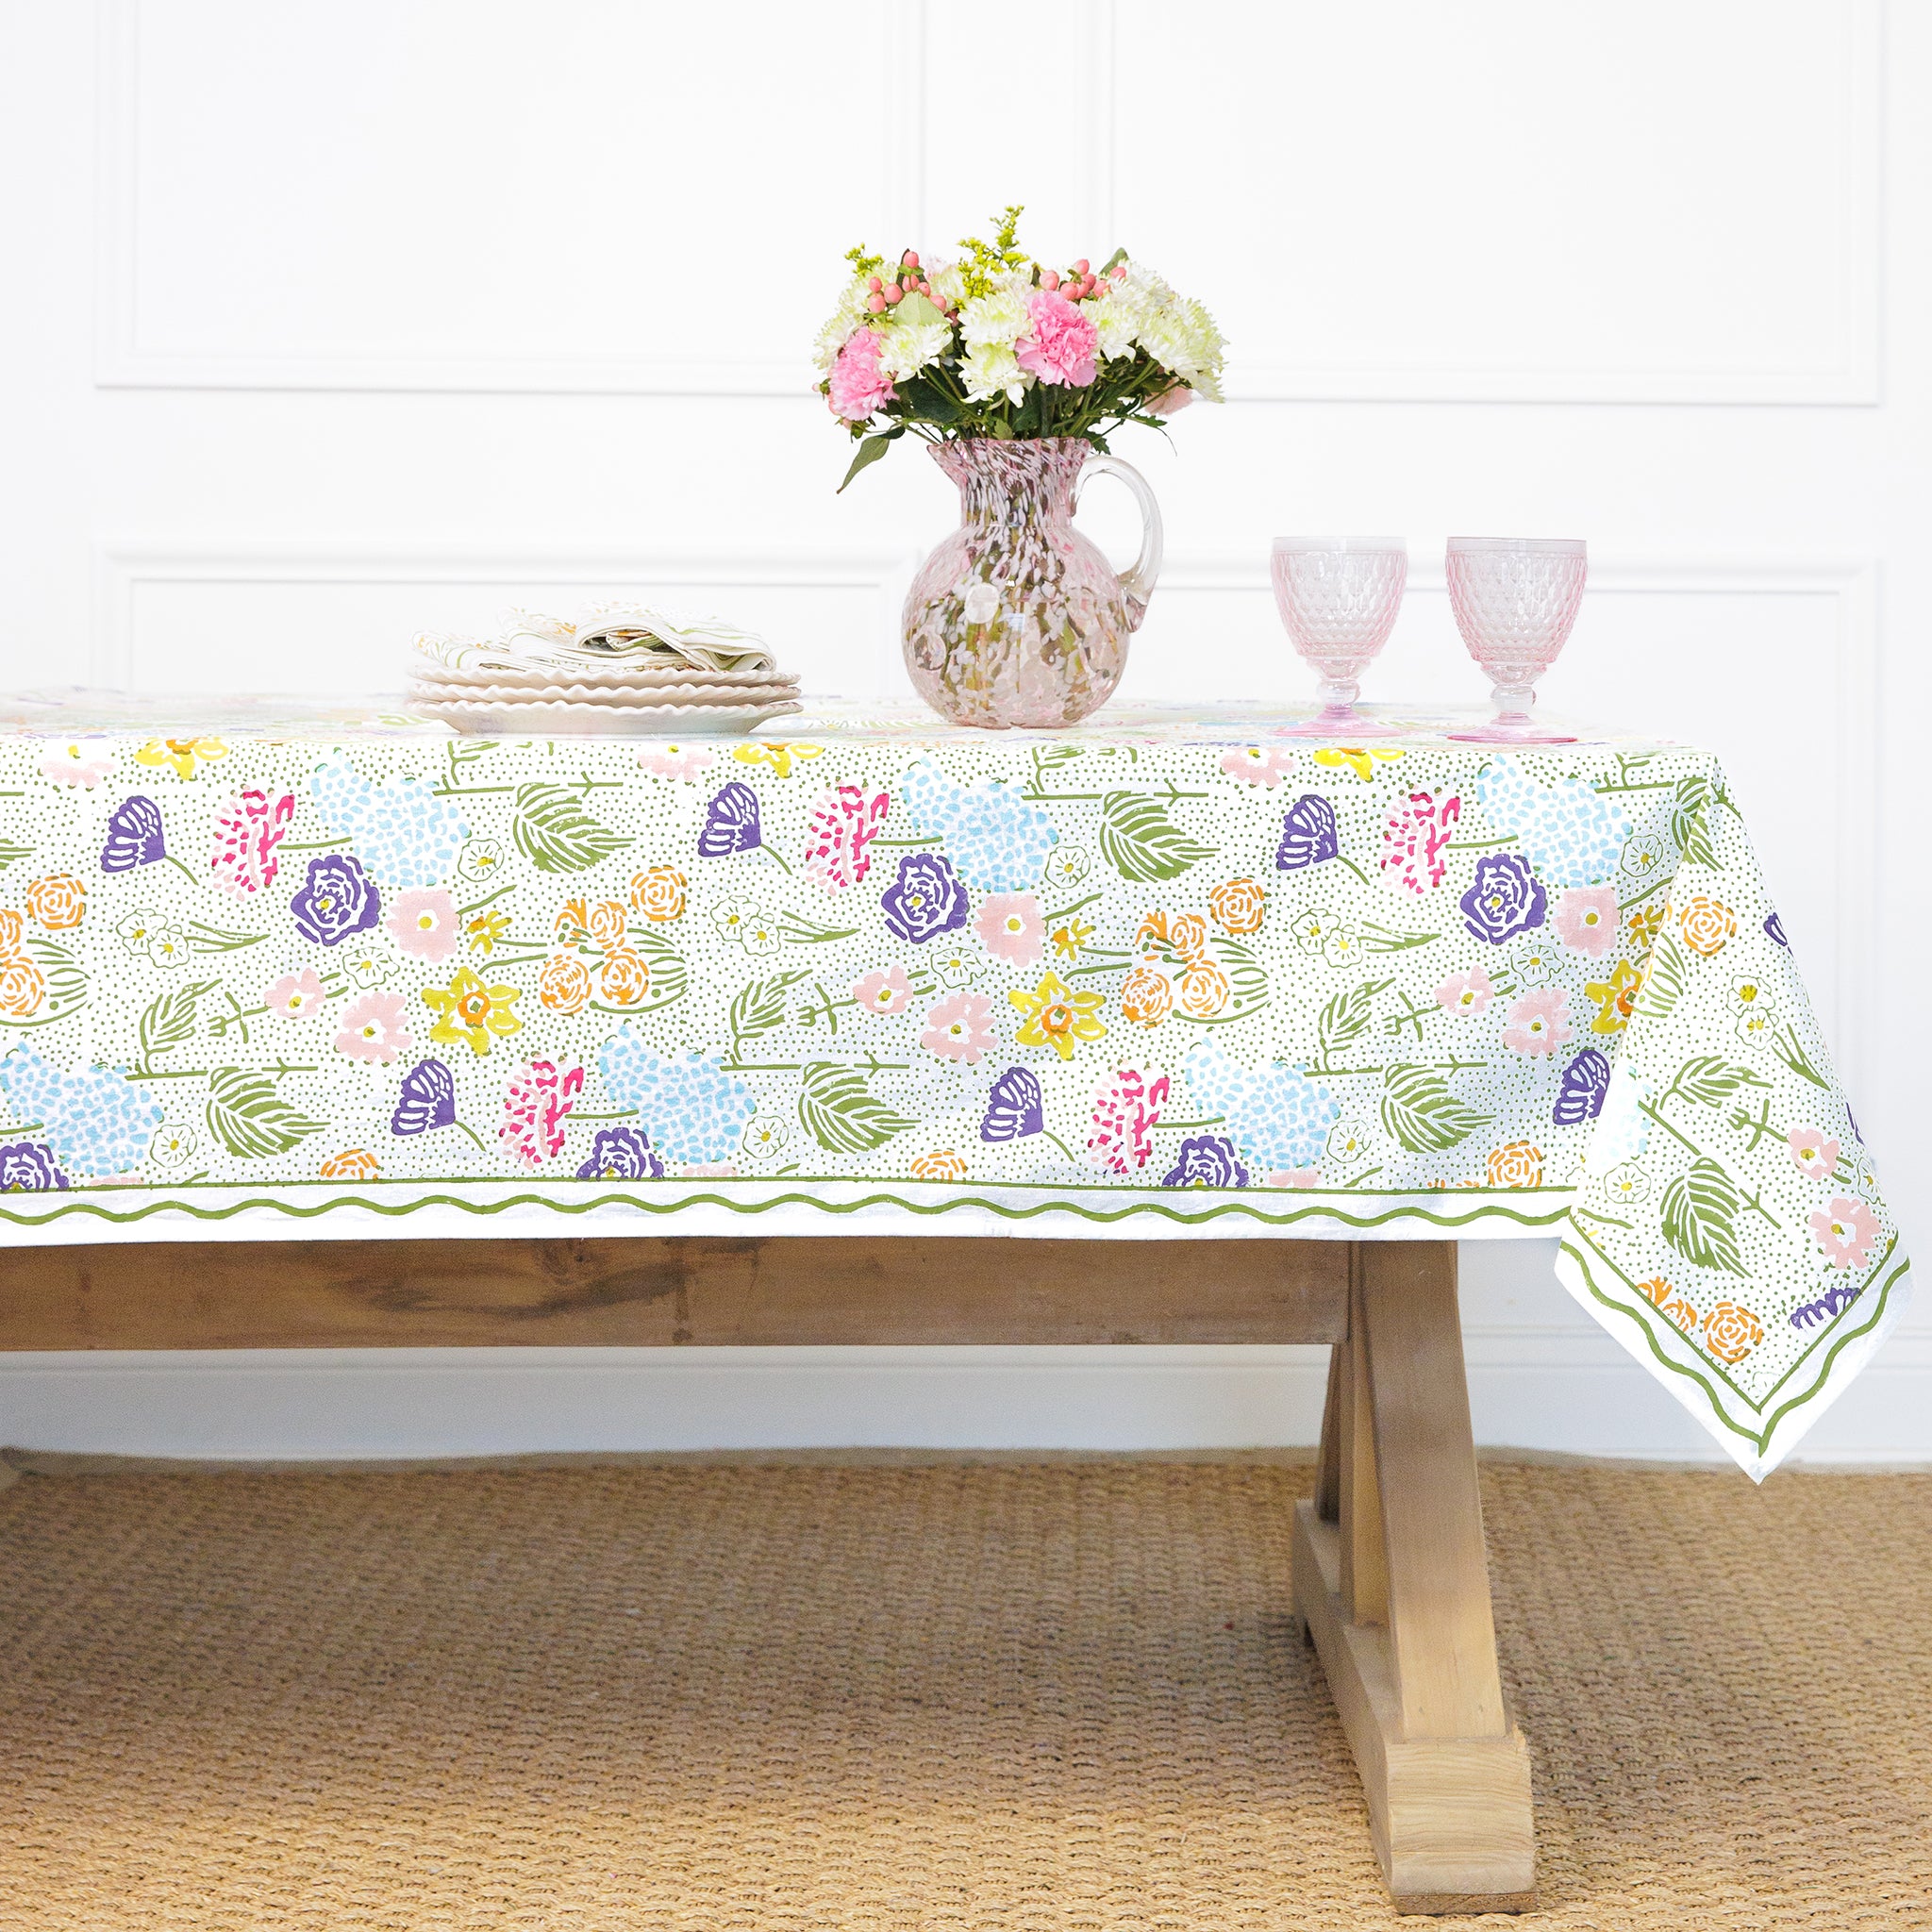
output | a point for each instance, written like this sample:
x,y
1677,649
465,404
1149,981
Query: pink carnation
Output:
x,y
858,389
1060,347
844,823
539,1098
885,993
1538,1022
1126,1110
1416,836
373,1029
1586,918
959,1027
1845,1231
1012,928
247,830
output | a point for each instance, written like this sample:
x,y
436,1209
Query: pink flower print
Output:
x,y
1012,928
1845,1231
1813,1154
294,995
1414,838
1060,343
1295,1177
83,762
959,1027
885,993
1465,993
373,1029
674,760
1586,918
1265,765
1126,1110
857,389
1538,1022
424,924
844,823
247,830
535,1105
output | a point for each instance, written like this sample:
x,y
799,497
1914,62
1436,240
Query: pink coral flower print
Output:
x,y
1586,918
83,762
959,1027
844,823
247,830
373,1029
674,760
886,992
1415,837
1012,928
1812,1153
1465,993
539,1098
1295,1177
294,995
424,924
1265,765
1126,1110
1538,1022
1846,1231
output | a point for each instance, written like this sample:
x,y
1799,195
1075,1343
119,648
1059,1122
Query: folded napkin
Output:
x,y
631,635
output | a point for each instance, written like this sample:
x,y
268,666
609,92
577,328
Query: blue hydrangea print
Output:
x,y
96,1123
1275,1115
1574,834
994,838
402,832
691,1108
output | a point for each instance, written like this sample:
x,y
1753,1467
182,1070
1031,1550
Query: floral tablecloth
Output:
x,y
350,975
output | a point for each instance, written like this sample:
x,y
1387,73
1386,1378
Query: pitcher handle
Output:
x,y
1139,578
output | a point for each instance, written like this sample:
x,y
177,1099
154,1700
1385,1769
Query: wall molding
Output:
x,y
121,361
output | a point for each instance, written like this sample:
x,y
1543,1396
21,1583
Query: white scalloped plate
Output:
x,y
602,721
617,677
430,690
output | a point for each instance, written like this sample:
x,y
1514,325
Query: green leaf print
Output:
x,y
1713,1079
1664,982
1346,1017
839,1113
250,1119
9,852
555,832
759,1007
809,932
1141,842
1700,1213
1420,1112
1691,821
167,1021
670,976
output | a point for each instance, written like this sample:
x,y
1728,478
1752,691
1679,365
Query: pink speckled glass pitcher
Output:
x,y
1016,618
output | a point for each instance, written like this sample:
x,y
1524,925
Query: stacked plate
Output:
x,y
553,690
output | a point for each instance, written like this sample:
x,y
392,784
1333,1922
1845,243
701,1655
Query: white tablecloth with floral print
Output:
x,y
275,974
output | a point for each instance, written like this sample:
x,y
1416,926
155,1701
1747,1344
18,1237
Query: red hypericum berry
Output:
x,y
1119,274
910,259
1081,267
1051,279
893,293
875,301
875,285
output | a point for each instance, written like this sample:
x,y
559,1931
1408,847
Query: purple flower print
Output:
x,y
1309,834
622,1154
134,835
1580,1093
25,1168
1206,1160
428,1100
337,899
1506,898
1833,1302
731,823
925,900
1774,932
1015,1108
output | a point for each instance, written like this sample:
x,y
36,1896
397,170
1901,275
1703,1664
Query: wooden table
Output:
x,y
1390,1580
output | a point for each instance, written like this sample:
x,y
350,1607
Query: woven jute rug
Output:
x,y
1030,1697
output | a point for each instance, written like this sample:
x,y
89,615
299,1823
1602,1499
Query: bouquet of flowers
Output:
x,y
997,345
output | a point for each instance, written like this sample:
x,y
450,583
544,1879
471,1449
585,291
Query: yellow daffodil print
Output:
x,y
469,1013
1614,997
1057,1016
485,929
1069,938
779,757
1361,759
181,754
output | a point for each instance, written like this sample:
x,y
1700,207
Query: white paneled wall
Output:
x,y
322,327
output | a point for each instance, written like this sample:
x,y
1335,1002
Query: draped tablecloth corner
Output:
x,y
344,974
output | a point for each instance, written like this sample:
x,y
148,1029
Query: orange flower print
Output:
x,y
572,923
608,924
1708,924
1147,997
1615,997
1683,1314
1730,1333
23,987
11,927
1517,1164
659,893
1204,989
625,979
1238,905
56,900
945,1166
350,1164
1657,1290
564,983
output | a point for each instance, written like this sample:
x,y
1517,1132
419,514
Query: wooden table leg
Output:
x,y
1392,1583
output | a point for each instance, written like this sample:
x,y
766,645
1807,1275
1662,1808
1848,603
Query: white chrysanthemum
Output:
x,y
850,312
909,347
993,322
992,371
1115,322
947,282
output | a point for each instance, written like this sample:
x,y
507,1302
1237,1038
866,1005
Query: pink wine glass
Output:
x,y
1515,599
1338,597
